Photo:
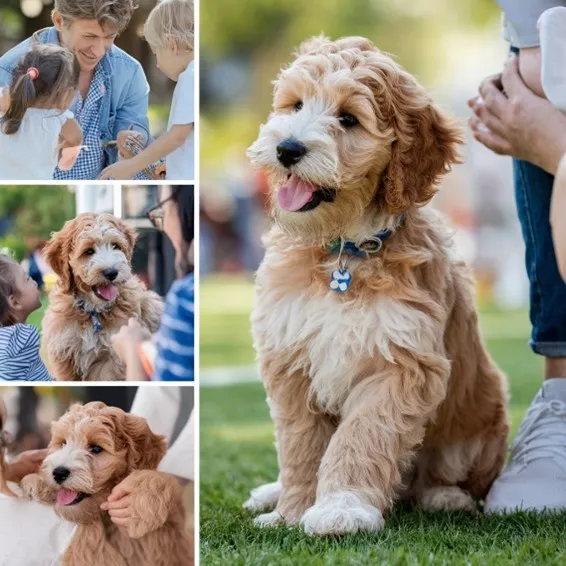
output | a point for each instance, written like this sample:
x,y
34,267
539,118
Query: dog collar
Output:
x,y
342,277
83,306
368,247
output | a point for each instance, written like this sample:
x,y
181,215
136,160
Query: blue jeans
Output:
x,y
533,191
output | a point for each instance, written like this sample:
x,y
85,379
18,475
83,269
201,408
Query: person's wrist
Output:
x,y
553,155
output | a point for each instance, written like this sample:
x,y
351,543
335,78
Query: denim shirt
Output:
x,y
126,89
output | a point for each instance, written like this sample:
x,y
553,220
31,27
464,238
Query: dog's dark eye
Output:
x,y
347,120
298,105
90,251
63,442
116,247
95,449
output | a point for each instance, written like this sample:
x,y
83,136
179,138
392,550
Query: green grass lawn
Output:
x,y
37,316
237,454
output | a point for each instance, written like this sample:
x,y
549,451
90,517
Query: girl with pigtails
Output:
x,y
37,130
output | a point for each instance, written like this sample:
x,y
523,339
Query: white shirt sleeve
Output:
x,y
183,107
160,407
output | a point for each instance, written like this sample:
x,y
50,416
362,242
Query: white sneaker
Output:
x,y
535,476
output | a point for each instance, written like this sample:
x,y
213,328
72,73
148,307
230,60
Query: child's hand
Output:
x,y
124,169
26,463
119,506
127,339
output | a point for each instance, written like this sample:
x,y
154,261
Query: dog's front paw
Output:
x,y
341,513
33,487
264,498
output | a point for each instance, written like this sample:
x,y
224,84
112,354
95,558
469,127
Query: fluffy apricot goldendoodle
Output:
x,y
96,294
377,379
93,449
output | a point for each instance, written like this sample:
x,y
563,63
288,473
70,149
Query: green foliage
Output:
x,y
15,245
37,210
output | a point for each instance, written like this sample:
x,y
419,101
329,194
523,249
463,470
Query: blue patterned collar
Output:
x,y
368,247
95,314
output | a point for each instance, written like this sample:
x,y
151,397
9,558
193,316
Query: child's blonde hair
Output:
x,y
171,19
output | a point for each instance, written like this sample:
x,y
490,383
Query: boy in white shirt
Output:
x,y
169,30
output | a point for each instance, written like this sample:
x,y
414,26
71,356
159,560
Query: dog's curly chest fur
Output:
x,y
322,333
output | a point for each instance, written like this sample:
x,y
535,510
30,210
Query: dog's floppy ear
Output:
x,y
425,146
145,449
57,251
130,234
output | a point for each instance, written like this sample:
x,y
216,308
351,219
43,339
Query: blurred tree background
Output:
x,y
243,45
29,215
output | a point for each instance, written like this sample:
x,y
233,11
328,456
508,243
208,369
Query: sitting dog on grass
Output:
x,y
378,381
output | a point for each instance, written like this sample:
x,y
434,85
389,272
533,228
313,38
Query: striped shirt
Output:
x,y
176,335
19,354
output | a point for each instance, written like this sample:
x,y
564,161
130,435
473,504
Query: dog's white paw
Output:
x,y
264,497
272,519
341,513
447,498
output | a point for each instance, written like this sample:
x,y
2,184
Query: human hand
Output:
x,y
142,501
126,140
26,463
121,170
518,123
119,506
127,339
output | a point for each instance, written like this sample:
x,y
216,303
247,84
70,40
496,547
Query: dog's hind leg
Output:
x,y
264,498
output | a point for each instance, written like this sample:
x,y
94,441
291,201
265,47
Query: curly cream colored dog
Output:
x,y
93,449
377,379
95,295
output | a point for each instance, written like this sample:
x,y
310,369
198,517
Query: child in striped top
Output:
x,y
19,342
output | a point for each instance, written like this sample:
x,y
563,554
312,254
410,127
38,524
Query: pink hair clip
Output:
x,y
33,73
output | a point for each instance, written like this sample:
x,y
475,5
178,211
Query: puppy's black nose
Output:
x,y
110,274
60,474
290,151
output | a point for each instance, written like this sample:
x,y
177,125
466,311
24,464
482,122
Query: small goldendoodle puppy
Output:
x,y
96,294
377,379
93,449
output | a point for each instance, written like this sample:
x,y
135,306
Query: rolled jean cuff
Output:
x,y
549,349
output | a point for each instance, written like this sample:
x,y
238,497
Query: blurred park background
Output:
x,y
20,19
30,214
450,47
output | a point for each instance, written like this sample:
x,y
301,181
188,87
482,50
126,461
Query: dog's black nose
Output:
x,y
110,274
290,151
60,474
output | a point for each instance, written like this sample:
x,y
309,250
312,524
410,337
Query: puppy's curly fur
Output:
x,y
387,390
127,453
80,253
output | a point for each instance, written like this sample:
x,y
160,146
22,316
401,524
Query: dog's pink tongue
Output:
x,y
295,194
66,496
109,292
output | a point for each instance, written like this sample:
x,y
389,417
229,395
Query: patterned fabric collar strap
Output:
x,y
83,306
366,248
